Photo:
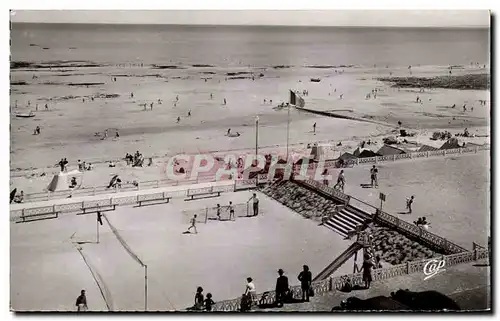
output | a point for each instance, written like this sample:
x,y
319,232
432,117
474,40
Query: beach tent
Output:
x,y
390,150
364,152
452,143
59,182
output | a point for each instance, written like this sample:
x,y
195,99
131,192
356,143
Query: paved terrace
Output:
x,y
468,284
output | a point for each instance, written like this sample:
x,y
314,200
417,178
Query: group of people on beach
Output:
x,y
137,160
84,166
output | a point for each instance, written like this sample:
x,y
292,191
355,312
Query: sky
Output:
x,y
371,18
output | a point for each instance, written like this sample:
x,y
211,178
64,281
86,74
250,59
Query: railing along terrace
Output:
x,y
337,283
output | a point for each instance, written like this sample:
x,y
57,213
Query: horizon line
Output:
x,y
251,25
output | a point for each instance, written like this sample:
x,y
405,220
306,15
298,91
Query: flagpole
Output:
x,y
287,132
257,147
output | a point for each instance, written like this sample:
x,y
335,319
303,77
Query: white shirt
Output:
x,y
255,200
250,287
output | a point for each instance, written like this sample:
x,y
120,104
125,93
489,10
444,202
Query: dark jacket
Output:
x,y
305,278
282,284
82,299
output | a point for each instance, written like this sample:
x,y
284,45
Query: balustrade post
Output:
x,y
376,159
460,151
394,157
475,149
427,154
410,155
357,161
444,152
407,267
330,284
475,255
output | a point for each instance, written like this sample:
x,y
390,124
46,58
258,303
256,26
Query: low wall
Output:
x,y
104,202
91,191
336,283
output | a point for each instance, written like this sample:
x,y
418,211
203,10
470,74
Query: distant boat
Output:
x,y
31,114
315,79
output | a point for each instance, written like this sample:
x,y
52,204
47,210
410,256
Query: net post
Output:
x,y
145,288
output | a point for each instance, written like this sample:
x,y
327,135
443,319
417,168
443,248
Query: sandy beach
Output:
x,y
68,128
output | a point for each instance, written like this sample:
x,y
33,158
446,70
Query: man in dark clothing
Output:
x,y
81,302
281,288
305,278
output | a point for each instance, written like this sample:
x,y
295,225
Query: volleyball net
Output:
x,y
215,213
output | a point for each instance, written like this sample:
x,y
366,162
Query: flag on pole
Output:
x,y
296,100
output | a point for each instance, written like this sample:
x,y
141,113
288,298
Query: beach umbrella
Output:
x,y
13,194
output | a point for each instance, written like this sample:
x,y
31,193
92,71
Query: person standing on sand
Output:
x,y
341,96
189,113
36,107
225,102
373,176
131,95
324,174
314,128
231,210
218,208
117,135
178,119
255,203
193,225
228,132
46,107
151,106
409,202
81,302
105,134
465,108
340,181
211,96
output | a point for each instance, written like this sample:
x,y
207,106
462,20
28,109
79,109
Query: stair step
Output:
x,y
340,224
349,218
346,222
338,227
335,229
353,214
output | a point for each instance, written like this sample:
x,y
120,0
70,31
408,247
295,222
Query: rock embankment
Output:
x,y
473,81
395,248
303,201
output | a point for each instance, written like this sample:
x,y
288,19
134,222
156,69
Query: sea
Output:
x,y
256,46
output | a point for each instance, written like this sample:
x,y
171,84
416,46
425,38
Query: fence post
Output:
x,y
330,284
22,214
407,267
475,255
427,154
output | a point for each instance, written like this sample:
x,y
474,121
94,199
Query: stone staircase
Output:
x,y
345,219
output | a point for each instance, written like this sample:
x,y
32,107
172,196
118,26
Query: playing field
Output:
x,y
48,272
